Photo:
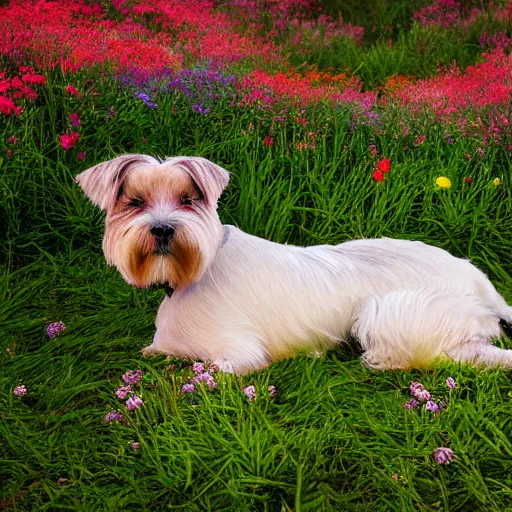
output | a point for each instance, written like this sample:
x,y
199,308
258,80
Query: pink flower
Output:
x,y
81,156
12,140
411,404
71,90
450,382
205,377
123,391
269,141
20,391
68,141
250,392
113,415
188,388
419,391
432,407
133,376
75,120
134,402
443,455
53,329
198,368
272,391
420,140
135,445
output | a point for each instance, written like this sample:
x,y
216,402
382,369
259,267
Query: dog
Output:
x,y
241,302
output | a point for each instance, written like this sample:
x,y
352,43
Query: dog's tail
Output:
x,y
413,328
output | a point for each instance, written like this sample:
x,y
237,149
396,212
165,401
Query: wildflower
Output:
x,y
450,140
134,402
411,404
205,377
198,368
420,140
373,149
75,120
113,415
188,388
378,175
496,182
272,391
123,391
443,182
81,156
468,180
133,376
269,141
71,90
450,382
432,407
418,391
146,100
68,141
20,391
250,392
111,113
12,140
443,455
53,329
384,165
10,153
135,445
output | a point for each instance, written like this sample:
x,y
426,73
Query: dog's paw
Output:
x,y
224,366
148,351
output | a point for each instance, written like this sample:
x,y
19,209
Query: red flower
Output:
x,y
468,180
384,165
68,141
12,140
81,155
34,79
378,175
71,90
269,141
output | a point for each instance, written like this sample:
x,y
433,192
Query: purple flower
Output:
x,y
188,388
53,329
200,109
135,445
272,391
198,368
450,382
133,402
419,391
123,391
411,404
204,377
20,391
133,376
250,392
113,415
75,120
432,407
443,455
146,100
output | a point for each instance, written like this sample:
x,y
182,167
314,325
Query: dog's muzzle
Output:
x,y
163,236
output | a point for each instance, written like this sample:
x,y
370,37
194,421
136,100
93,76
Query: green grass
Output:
x,y
336,432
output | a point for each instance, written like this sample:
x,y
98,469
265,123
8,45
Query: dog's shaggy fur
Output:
x,y
242,302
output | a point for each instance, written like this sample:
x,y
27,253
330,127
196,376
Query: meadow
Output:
x,y
336,121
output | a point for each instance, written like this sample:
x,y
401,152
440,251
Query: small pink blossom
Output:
x,y
272,391
70,89
198,368
432,407
135,445
420,140
205,377
133,376
123,391
443,455
20,390
81,156
113,415
411,404
12,140
75,120
53,329
450,382
250,392
134,402
188,388
68,141
418,391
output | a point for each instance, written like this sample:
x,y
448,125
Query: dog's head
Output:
x,y
162,225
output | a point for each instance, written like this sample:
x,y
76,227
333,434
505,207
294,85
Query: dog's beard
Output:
x,y
144,263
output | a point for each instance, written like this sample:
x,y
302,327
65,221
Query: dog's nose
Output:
x,y
164,232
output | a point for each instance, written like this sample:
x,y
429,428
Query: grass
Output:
x,y
336,436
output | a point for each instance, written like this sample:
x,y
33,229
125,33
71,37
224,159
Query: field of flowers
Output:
x,y
337,121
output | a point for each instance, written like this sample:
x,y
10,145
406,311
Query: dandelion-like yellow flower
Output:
x,y
496,182
443,182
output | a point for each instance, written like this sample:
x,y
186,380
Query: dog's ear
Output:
x,y
102,183
211,179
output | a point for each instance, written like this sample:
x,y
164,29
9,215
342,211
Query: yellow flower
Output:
x,y
496,182
443,182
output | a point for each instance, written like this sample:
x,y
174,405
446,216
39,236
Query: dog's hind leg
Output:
x,y
482,354
414,328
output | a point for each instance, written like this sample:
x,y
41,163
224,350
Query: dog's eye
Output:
x,y
186,200
136,203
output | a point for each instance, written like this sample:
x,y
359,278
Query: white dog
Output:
x,y
242,302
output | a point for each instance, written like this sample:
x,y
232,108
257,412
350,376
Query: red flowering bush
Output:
x,y
13,90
